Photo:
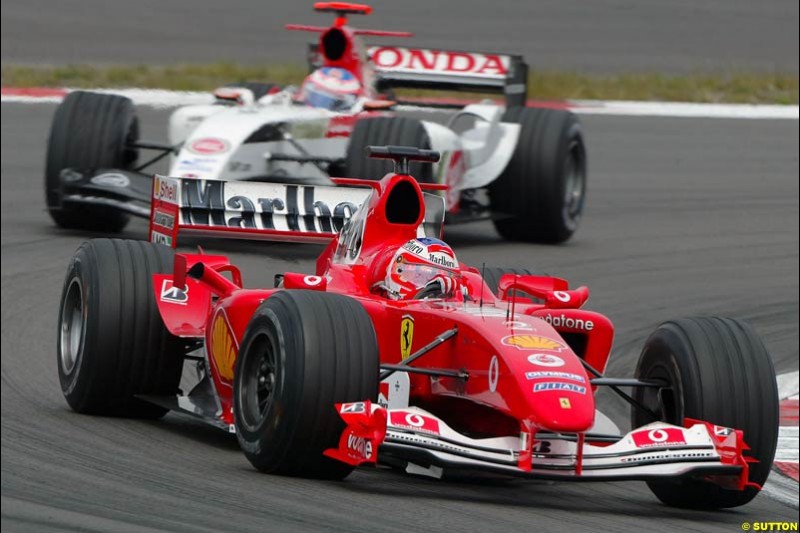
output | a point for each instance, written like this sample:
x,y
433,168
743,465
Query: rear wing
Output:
x,y
420,68
264,211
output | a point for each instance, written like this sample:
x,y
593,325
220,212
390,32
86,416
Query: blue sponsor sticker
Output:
x,y
554,374
558,386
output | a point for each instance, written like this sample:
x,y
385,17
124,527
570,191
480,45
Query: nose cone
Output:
x,y
555,388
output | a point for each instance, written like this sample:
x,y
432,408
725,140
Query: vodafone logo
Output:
x,y
312,281
658,437
208,146
494,373
395,58
414,422
563,321
562,296
361,446
544,359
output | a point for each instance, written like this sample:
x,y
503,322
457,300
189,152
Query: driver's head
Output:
x,y
417,263
330,88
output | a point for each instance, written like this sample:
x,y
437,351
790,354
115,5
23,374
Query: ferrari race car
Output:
x,y
525,168
394,353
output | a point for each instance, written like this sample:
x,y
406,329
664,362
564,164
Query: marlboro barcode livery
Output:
x,y
495,162
427,363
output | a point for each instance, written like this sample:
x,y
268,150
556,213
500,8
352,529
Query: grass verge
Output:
x,y
738,87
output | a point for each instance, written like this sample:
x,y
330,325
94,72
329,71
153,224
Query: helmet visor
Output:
x,y
414,274
315,96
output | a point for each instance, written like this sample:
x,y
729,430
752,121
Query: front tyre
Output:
x,y
90,131
303,352
716,370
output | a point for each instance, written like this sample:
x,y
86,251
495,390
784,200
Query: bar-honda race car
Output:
x,y
525,168
394,353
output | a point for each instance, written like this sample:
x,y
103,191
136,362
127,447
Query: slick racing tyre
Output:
x,y
492,275
716,370
258,88
539,196
112,344
302,352
89,131
385,131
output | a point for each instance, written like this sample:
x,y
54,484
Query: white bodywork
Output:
x,y
213,142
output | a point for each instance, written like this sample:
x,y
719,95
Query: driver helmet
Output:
x,y
332,88
417,263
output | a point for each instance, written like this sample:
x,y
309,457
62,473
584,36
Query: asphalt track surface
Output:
x,y
603,36
684,217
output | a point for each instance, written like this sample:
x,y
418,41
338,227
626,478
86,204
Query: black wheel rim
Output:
x,y
574,184
72,327
259,377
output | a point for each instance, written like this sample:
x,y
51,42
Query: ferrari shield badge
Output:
x,y
406,336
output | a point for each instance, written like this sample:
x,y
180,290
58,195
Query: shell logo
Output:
x,y
532,342
223,347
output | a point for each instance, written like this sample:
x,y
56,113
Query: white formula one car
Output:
x,y
525,168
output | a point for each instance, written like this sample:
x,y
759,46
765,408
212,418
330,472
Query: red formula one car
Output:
x,y
392,352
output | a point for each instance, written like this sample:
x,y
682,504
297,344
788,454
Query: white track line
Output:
x,y
789,385
779,486
688,110
164,98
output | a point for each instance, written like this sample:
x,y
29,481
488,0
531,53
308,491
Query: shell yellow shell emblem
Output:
x,y
532,342
406,336
223,347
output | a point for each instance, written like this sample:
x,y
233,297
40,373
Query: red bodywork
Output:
x,y
517,364
517,332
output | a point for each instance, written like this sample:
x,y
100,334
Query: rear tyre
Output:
x,y
717,370
90,131
112,343
492,275
539,197
302,352
385,131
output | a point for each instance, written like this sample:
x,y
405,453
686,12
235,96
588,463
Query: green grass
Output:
x,y
738,87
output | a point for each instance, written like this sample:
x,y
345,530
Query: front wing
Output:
x,y
658,450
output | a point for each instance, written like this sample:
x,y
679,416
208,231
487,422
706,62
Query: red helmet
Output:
x,y
331,88
419,262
